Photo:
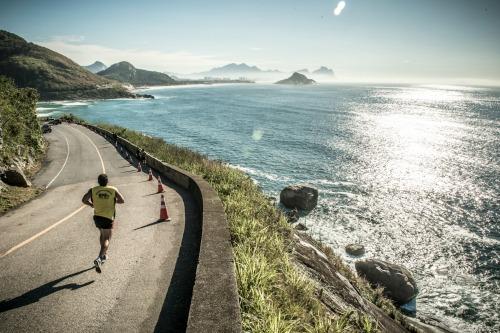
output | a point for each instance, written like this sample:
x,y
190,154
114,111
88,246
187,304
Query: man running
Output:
x,y
103,199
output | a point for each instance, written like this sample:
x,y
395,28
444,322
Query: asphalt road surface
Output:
x,y
47,248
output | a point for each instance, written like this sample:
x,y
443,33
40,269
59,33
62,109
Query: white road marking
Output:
x,y
96,149
12,249
67,217
65,161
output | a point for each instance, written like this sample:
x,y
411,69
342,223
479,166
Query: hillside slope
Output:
x,y
55,76
21,141
125,72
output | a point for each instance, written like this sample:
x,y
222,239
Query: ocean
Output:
x,y
410,172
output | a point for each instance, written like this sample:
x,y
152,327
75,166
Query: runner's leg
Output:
x,y
104,239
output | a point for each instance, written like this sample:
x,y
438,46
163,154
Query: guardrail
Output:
x,y
214,303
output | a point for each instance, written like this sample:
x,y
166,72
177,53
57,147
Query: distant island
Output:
x,y
324,71
297,79
96,67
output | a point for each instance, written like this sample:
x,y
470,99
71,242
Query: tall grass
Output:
x,y
275,296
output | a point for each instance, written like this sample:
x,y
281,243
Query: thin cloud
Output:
x,y
182,61
69,38
340,7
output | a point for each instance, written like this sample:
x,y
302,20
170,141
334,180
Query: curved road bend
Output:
x,y
47,280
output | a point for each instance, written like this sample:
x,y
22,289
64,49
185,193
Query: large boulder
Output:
x,y
396,280
15,176
299,196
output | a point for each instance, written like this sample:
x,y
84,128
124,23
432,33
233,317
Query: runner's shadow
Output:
x,y
47,289
149,224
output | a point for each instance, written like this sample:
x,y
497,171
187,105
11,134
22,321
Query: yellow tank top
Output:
x,y
103,198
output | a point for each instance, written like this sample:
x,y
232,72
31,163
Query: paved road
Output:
x,y
47,282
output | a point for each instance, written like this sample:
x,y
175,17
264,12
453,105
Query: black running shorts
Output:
x,y
103,222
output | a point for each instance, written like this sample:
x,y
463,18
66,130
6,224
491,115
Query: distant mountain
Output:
x,y
96,67
324,71
297,79
125,72
234,68
52,74
236,71
303,71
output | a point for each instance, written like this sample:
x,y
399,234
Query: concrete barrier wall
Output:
x,y
214,303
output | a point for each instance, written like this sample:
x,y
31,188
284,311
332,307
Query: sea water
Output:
x,y
410,172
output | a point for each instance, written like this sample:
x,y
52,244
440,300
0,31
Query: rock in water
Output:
x,y
300,227
15,177
355,249
299,196
396,280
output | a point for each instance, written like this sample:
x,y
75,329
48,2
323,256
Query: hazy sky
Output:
x,y
433,40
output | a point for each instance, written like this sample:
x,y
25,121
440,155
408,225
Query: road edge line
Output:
x,y
64,164
96,149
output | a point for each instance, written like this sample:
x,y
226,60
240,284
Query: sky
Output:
x,y
431,41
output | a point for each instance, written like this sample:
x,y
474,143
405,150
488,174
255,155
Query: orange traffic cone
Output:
x,y
163,210
150,175
139,168
160,185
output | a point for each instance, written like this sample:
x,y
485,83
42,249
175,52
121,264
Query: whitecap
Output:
x,y
258,173
74,103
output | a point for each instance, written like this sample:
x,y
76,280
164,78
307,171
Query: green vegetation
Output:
x,y
21,137
12,196
125,72
275,296
21,140
55,76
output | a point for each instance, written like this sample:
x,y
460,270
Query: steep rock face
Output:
x,y
55,76
125,72
299,196
297,79
399,285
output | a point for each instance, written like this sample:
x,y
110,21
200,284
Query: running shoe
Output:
x,y
104,258
97,265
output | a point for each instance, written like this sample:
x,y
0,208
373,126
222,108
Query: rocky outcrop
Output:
x,y
335,290
355,249
339,295
299,196
15,176
297,79
396,280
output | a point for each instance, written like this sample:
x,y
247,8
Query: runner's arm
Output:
x,y
87,199
119,198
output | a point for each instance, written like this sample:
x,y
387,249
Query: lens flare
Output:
x,y
340,7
